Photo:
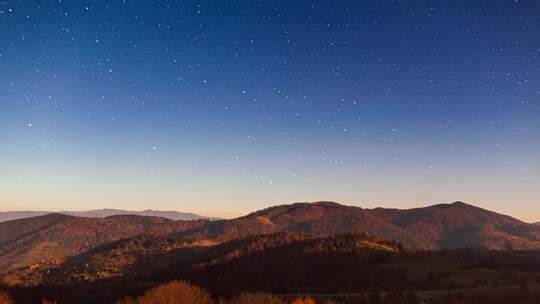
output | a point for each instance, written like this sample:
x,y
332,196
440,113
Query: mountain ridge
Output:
x,y
102,213
455,225
46,242
461,225
317,219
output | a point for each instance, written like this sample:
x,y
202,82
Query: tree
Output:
x,y
307,300
534,297
176,292
5,298
374,297
395,297
127,300
410,297
256,298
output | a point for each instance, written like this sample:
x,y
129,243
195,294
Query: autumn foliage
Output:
x,y
180,292
177,292
303,301
255,298
5,298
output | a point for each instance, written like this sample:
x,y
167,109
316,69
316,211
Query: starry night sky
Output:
x,y
224,107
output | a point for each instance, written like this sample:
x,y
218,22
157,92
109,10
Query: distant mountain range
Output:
x,y
90,248
537,223
101,213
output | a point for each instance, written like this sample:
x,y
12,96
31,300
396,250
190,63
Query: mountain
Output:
x,y
460,225
537,223
172,215
144,255
17,215
46,241
101,248
351,263
456,225
348,265
101,213
316,219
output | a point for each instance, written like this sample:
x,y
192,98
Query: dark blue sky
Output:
x,y
232,106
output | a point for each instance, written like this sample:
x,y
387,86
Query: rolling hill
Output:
x,y
146,255
351,263
460,225
456,225
347,265
101,213
45,241
107,247
316,219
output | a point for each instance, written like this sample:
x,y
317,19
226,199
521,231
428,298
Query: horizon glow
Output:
x,y
226,108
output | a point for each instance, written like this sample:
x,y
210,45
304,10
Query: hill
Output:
x,y
46,241
347,265
101,213
460,225
132,264
315,219
456,225
352,263
145,255
38,249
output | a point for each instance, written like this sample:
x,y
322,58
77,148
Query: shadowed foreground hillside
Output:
x,y
180,292
345,268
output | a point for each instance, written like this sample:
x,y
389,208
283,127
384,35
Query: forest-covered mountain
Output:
x,y
45,241
347,267
392,248
456,225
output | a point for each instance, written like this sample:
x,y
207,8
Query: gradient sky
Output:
x,y
225,107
